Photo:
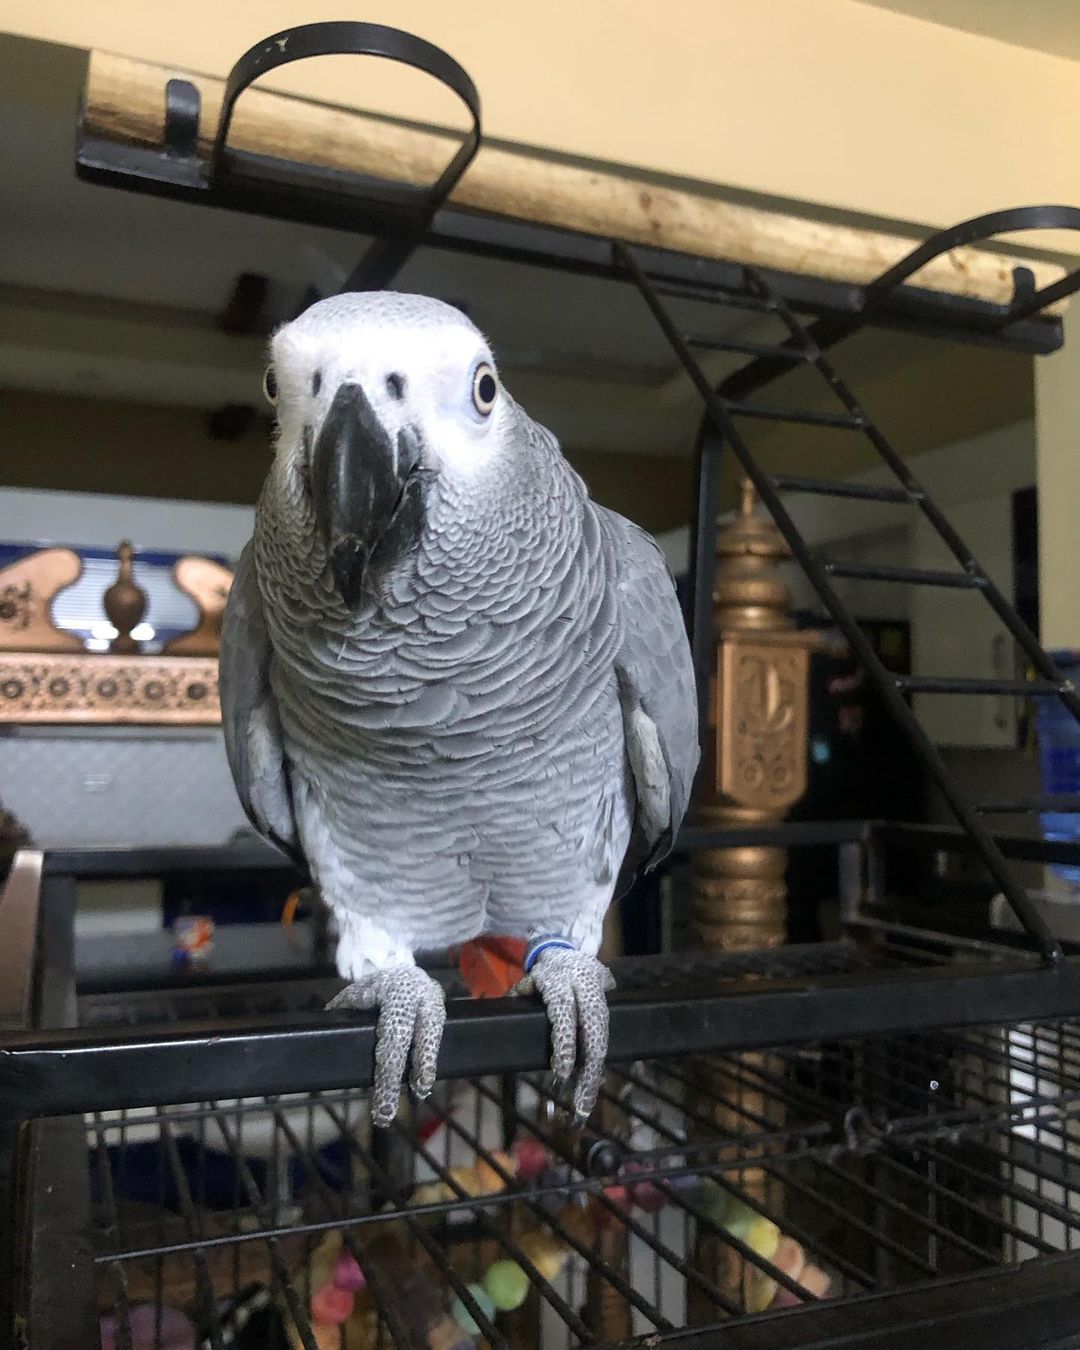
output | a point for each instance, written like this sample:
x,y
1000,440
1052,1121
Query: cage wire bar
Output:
x,y
897,1163
923,1161
685,1003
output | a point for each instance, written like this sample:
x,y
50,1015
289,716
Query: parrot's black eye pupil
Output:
x,y
270,385
316,382
485,388
395,384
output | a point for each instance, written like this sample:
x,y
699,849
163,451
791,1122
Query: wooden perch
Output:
x,y
125,101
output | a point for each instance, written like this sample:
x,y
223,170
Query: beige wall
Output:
x,y
825,101
92,445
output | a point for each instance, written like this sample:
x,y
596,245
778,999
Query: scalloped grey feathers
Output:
x,y
504,727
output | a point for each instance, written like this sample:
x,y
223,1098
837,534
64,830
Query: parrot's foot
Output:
x,y
573,986
412,1012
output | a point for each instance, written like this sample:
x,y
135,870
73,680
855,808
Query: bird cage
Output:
x,y
858,1142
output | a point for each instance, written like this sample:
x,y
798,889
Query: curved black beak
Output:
x,y
367,490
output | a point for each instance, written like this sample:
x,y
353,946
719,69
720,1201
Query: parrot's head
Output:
x,y
384,401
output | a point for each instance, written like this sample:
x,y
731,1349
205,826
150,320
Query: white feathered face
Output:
x,y
379,396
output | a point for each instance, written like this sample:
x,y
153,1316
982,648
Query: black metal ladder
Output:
x,y
726,405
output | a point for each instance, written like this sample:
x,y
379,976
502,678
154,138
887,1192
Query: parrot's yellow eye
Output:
x,y
270,385
485,387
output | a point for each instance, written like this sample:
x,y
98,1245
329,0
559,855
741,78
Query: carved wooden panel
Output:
x,y
208,583
27,588
761,720
118,690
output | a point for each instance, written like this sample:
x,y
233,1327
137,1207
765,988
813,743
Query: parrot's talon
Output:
x,y
347,998
412,1013
573,985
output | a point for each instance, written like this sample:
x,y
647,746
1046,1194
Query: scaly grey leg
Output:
x,y
412,1012
573,986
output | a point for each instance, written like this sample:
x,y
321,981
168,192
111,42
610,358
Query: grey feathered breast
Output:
x,y
653,670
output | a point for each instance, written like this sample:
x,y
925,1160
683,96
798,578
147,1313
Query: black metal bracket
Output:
x,y
979,228
183,107
398,213
893,288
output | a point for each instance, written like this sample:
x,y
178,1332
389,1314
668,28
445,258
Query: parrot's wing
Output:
x,y
249,714
657,691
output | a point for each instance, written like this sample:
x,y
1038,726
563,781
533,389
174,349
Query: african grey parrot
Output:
x,y
453,683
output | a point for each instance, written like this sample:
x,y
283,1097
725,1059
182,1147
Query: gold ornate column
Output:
x,y
754,771
755,754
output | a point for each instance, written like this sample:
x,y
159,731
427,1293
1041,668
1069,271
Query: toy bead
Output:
x,y
547,1255
688,1181
446,1334
554,1181
464,1318
711,1201
530,1157
648,1197
507,1284
762,1236
467,1179
491,1183
327,1336
176,1332
618,1195
321,1264
790,1257
760,1290
815,1281
332,1305
347,1273
432,1193
739,1218
644,1194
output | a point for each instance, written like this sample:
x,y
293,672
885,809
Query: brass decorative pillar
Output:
x,y
754,767
753,772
